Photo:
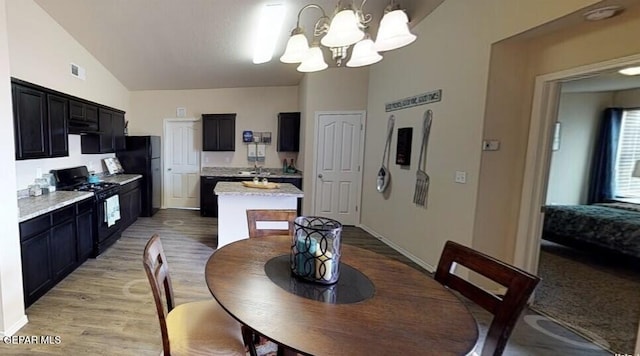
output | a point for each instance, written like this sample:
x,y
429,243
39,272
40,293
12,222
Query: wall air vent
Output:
x,y
78,72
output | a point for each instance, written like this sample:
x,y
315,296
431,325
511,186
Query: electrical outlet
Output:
x,y
461,177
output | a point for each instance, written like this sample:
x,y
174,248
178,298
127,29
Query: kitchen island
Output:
x,y
234,199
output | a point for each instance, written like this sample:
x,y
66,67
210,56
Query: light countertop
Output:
x,y
234,172
31,207
237,188
121,179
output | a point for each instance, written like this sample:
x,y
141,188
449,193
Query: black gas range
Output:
x,y
106,229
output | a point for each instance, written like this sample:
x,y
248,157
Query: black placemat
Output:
x,y
352,286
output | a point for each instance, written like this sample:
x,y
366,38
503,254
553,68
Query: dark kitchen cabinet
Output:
x,y
43,118
289,132
119,143
52,247
85,229
83,117
58,114
130,203
40,123
36,267
297,182
110,136
30,122
209,201
218,132
105,125
63,244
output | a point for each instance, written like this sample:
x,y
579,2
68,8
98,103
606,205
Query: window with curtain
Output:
x,y
628,154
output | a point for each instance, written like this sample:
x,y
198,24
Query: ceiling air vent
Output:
x,y
78,72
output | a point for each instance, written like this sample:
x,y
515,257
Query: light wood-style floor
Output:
x,y
105,306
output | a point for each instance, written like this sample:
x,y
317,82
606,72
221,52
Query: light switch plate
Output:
x,y
490,145
461,177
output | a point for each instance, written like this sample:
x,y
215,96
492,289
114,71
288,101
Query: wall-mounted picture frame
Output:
x,y
403,147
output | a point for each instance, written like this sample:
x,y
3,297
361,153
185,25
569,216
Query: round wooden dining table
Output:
x,y
408,312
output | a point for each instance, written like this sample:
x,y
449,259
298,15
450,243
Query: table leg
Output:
x,y
285,351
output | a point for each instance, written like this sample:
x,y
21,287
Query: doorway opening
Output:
x,y
541,187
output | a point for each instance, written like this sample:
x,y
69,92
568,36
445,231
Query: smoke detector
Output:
x,y
602,13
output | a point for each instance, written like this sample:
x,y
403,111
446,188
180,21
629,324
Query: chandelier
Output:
x,y
349,26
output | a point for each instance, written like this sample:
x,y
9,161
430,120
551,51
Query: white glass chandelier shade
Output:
x,y
393,31
314,61
364,54
343,31
297,49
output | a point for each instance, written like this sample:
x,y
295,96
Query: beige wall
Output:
x,y
334,89
627,98
581,44
40,52
12,314
26,170
453,53
256,108
579,116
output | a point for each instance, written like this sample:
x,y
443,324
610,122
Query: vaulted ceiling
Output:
x,y
194,44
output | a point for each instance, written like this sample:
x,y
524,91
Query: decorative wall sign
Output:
x,y
421,99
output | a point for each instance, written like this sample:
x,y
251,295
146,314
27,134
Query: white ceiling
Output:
x,y
610,81
193,44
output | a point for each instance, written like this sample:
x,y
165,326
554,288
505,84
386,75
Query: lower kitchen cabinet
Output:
x,y
296,182
53,245
37,278
64,248
130,203
209,201
207,198
85,229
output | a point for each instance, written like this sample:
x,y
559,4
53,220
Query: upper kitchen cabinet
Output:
x,y
111,133
218,132
289,132
119,142
83,117
58,114
40,122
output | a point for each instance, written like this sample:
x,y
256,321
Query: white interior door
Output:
x,y
182,163
338,161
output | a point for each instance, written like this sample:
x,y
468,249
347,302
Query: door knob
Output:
x,y
320,175
168,169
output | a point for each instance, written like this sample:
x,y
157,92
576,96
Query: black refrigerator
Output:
x,y
142,156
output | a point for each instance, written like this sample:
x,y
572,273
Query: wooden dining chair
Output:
x,y
270,215
202,327
505,309
267,215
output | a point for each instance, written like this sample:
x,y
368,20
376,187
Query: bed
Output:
x,y
612,226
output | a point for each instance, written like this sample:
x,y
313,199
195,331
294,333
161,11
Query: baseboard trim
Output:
x,y
402,251
15,327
